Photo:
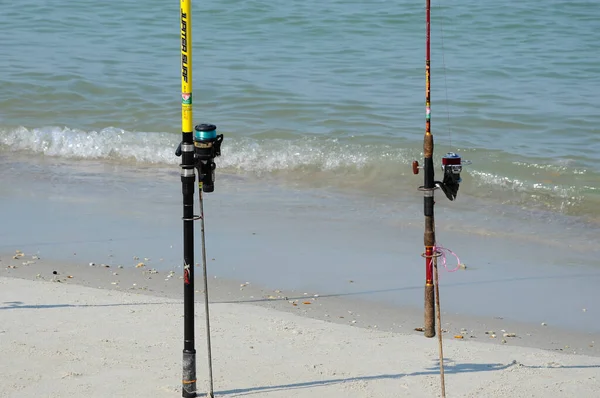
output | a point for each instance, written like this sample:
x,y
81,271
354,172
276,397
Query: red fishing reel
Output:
x,y
451,166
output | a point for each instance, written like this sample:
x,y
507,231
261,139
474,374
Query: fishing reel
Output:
x,y
452,167
207,146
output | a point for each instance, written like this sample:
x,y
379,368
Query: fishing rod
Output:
x,y
198,148
451,167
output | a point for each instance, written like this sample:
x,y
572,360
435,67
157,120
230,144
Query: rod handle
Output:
x,y
189,374
429,311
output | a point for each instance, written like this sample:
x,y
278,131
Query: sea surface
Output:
x,y
324,95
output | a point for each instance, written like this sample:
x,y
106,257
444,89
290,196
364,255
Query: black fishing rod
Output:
x,y
198,149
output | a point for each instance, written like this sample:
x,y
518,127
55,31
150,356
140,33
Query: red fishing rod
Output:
x,y
451,166
428,186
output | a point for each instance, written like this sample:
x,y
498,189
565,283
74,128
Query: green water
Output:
x,y
329,93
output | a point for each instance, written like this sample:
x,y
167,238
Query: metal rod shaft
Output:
x,y
439,325
206,312
188,181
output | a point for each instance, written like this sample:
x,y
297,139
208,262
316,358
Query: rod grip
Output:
x,y
428,146
429,311
189,374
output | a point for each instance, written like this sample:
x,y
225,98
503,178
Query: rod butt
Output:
x,y
429,311
189,374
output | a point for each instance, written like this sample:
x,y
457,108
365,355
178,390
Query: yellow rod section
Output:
x,y
187,125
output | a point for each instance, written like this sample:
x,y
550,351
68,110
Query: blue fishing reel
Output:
x,y
207,146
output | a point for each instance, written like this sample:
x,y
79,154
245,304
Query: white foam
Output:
x,y
244,154
104,144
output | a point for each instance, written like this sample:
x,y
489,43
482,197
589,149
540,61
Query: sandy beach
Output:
x,y
60,338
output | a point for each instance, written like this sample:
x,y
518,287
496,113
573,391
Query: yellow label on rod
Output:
x,y
187,123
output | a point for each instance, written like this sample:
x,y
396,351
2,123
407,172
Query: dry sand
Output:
x,y
60,340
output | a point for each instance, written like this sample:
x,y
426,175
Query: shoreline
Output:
x,y
519,273
307,246
62,337
350,309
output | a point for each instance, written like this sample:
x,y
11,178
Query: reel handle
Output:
x,y
416,167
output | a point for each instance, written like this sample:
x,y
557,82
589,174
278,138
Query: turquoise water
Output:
x,y
322,93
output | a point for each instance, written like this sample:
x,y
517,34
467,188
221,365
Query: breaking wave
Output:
x,y
376,168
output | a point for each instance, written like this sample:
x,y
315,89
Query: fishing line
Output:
x,y
206,309
438,311
443,251
445,78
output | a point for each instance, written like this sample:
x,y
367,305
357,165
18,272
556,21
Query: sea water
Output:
x,y
322,108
